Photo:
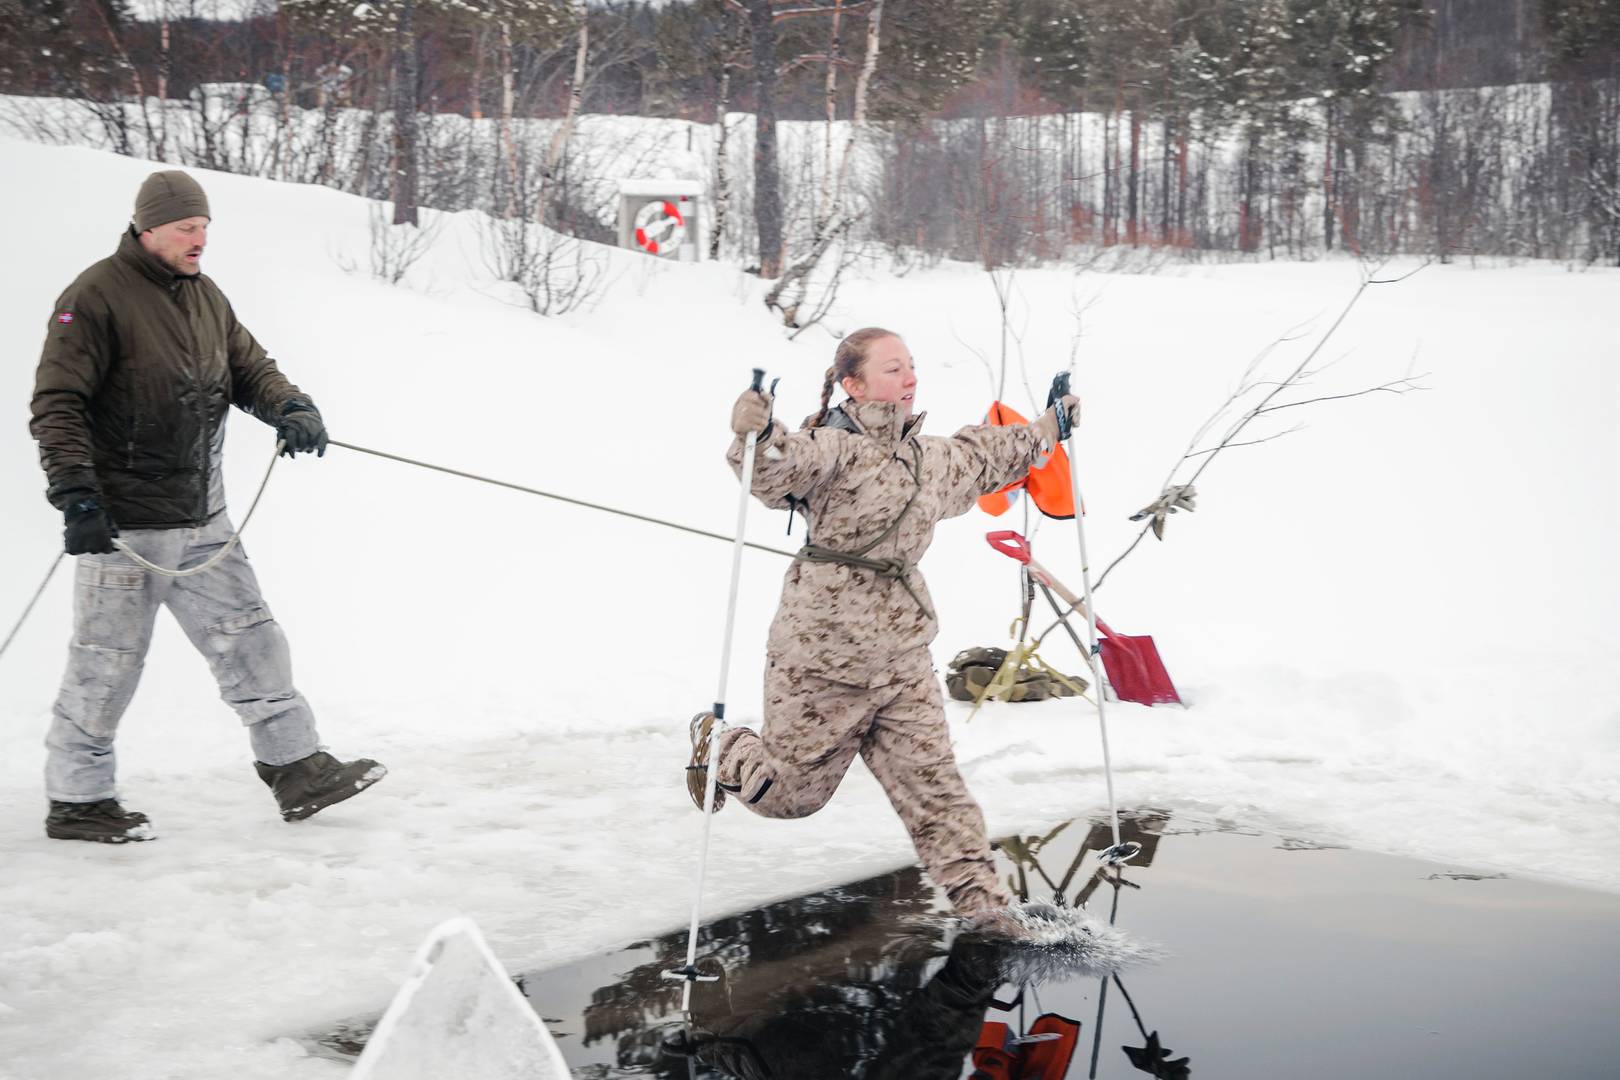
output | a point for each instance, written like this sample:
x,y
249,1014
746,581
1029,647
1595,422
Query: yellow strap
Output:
x,y
1020,657
1005,678
1055,675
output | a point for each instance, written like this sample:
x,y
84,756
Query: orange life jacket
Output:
x,y
994,1058
1000,1055
1048,485
1049,1060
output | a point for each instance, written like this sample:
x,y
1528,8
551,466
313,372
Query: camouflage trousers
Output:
x,y
813,729
115,604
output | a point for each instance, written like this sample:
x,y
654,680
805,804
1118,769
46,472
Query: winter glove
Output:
x,y
300,427
1046,425
89,530
752,413
1175,498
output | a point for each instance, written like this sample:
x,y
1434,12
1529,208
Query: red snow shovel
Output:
x,y
1134,669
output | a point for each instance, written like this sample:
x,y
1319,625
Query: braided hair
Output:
x,y
847,363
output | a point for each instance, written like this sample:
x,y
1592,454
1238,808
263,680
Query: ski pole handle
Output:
x,y
758,387
1055,396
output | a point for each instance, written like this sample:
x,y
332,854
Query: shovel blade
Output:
x,y
1136,672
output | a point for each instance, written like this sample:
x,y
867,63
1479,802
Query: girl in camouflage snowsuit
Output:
x,y
849,668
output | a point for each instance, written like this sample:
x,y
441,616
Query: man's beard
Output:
x,y
183,268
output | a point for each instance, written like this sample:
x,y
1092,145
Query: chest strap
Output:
x,y
890,569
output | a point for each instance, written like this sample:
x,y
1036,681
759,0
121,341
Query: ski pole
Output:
x,y
689,972
1119,852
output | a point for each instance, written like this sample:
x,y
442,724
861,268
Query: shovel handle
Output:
x,y
1014,546
1011,544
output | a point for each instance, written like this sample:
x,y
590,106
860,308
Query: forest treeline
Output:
x,y
1001,131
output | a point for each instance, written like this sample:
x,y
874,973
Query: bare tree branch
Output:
x,y
1398,386
1250,442
1369,277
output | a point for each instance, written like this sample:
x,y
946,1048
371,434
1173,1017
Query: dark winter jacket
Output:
x,y
139,368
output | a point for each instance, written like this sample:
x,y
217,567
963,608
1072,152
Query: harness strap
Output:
x,y
891,569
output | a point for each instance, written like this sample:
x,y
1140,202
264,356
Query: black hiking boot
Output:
x,y
703,728
311,784
102,821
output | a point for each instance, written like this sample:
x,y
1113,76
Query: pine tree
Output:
x,y
930,51
1583,43
50,46
1341,49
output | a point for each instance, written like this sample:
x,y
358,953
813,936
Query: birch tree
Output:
x,y
831,221
533,24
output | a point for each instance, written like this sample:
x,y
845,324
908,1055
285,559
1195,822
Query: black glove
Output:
x,y
300,427
89,530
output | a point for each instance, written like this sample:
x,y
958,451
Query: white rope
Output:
x,y
213,561
713,772
218,556
553,495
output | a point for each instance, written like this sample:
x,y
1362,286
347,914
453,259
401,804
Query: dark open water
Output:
x,y
1286,960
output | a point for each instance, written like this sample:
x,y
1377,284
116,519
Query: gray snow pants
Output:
x,y
115,604
813,729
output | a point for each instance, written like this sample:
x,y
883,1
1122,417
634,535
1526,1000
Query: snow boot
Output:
x,y
311,784
703,728
102,821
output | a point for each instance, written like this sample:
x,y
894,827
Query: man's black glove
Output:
x,y
89,530
300,427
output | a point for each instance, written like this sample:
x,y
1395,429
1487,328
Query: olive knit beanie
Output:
x,y
168,196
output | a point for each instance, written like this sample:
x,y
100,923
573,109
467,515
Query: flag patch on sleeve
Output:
x,y
65,318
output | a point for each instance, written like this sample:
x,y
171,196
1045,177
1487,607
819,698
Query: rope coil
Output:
x,y
218,556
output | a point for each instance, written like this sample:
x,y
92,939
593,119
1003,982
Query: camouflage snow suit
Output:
x,y
849,669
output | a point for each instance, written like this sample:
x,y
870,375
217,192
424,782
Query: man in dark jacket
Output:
x,y
142,360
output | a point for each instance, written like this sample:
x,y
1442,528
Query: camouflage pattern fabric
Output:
x,y
849,665
851,477
813,729
1172,500
115,604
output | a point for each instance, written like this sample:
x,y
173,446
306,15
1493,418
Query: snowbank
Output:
x,y
1393,627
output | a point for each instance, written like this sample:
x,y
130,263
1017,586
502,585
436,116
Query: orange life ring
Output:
x,y
660,227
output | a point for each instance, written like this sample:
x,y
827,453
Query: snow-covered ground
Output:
x,y
1394,628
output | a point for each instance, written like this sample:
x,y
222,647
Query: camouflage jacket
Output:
x,y
852,477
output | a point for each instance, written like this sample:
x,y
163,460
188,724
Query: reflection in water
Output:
x,y
1283,956
1146,829
874,1030
816,980
869,980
